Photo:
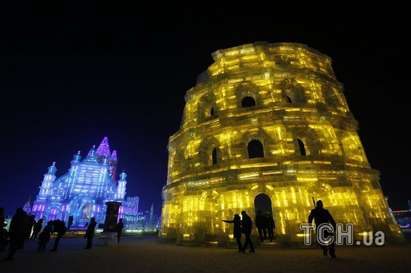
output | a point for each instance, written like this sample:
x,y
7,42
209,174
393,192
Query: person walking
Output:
x,y
36,229
60,228
44,236
323,216
119,230
90,233
3,231
260,223
17,232
270,226
247,226
237,230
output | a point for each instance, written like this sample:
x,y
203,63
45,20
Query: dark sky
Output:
x,y
67,79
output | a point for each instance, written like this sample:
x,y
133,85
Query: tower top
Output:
x,y
104,148
114,156
92,152
52,169
76,157
123,175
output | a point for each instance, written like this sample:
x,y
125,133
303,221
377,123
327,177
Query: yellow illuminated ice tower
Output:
x,y
267,128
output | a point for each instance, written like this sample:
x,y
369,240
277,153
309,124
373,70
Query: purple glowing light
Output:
x,y
104,148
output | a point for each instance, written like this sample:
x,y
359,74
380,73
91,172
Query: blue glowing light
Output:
x,y
83,191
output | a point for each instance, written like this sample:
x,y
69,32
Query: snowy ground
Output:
x,y
149,255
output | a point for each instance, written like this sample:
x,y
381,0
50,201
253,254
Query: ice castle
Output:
x,y
83,191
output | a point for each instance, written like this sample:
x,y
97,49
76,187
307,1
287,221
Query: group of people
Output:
x,y
24,227
242,225
265,225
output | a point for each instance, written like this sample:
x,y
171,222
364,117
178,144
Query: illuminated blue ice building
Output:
x,y
83,191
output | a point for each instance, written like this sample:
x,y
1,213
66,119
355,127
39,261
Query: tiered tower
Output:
x,y
267,128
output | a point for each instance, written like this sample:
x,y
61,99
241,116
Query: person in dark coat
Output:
x,y
247,226
119,229
270,226
237,230
3,231
260,223
90,232
321,216
31,221
60,228
44,236
17,232
70,222
36,229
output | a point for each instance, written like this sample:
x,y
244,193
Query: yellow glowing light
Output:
x,y
310,148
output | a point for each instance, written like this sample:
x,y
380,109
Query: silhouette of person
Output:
x,y
17,232
44,236
90,232
70,222
3,231
247,226
270,226
119,229
237,230
36,229
321,216
260,223
29,227
60,228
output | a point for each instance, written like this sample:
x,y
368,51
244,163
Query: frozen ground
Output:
x,y
149,255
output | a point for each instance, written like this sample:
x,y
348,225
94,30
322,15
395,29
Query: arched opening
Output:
x,y
264,219
262,204
255,149
247,102
214,156
301,147
212,112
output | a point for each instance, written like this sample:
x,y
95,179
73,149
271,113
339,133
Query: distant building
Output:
x,y
83,191
128,212
403,217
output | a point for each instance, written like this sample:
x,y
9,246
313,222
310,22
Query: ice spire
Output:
x,y
103,149
76,157
92,152
113,156
52,168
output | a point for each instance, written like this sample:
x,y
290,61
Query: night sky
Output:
x,y
69,79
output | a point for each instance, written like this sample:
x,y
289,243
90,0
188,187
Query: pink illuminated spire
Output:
x,y
104,148
114,156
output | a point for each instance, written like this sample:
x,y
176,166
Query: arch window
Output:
x,y
255,149
301,147
247,102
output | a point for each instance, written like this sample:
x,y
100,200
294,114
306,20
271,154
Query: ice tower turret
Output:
x,y
48,179
121,187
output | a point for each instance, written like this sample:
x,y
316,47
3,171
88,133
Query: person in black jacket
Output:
x,y
247,226
17,232
90,232
322,216
44,236
270,226
237,230
36,229
119,229
60,228
3,231
261,224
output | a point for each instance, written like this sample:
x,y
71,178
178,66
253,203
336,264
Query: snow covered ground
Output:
x,y
149,255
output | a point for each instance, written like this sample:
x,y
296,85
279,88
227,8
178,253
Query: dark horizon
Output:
x,y
68,83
